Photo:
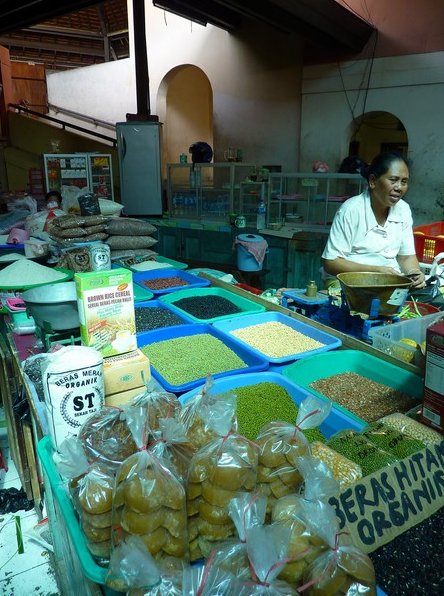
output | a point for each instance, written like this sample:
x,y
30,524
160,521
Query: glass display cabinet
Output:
x,y
206,191
308,198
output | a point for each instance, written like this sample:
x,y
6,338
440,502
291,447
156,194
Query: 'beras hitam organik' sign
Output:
x,y
392,500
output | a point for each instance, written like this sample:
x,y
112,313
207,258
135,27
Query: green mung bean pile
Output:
x,y
276,340
392,440
184,359
257,405
360,450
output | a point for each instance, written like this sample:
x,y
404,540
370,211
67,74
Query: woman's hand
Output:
x,y
418,279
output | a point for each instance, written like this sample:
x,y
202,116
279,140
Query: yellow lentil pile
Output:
x,y
276,340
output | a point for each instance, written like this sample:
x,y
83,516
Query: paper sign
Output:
x,y
389,502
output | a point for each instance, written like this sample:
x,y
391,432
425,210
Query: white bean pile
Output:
x,y
276,339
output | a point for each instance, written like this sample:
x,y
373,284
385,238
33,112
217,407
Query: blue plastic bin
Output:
x,y
190,280
254,362
330,341
335,421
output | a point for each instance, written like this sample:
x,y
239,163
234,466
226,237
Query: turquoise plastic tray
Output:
x,y
140,294
175,264
246,306
330,341
190,280
254,363
337,419
306,371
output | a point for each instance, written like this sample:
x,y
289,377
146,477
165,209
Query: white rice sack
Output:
x,y
74,389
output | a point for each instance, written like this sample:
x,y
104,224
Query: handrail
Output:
x,y
63,124
82,116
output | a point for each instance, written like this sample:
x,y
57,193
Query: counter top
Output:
x,y
289,231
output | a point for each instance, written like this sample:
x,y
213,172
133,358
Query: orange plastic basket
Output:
x,y
429,241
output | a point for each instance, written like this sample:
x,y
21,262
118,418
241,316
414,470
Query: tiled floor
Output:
x,y
30,571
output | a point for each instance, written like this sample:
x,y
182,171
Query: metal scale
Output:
x,y
49,337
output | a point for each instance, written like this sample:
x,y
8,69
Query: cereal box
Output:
x,y
106,310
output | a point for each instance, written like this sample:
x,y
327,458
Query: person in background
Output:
x,y
373,230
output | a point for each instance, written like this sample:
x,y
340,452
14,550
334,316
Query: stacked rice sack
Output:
x,y
128,236
71,229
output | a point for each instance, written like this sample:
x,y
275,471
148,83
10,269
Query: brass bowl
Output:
x,y
361,288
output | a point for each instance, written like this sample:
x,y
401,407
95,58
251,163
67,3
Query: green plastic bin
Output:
x,y
247,307
306,371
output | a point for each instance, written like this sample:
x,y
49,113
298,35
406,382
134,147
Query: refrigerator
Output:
x,y
88,171
138,147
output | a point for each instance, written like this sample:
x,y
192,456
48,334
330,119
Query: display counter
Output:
x,y
76,569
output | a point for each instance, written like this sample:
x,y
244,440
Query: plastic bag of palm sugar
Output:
x,y
203,414
281,445
149,502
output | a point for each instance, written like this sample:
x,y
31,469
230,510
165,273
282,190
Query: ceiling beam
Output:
x,y
87,50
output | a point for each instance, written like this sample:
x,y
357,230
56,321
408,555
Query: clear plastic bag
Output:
x,y
208,580
246,510
267,548
342,568
108,437
170,444
306,539
205,416
218,471
159,404
150,502
280,444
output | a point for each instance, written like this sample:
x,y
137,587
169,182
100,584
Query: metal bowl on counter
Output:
x,y
362,288
54,304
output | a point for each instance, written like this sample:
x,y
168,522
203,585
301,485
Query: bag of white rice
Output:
x,y
74,389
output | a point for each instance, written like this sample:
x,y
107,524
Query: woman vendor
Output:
x,y
373,230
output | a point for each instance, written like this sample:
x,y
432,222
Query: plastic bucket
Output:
x,y
245,260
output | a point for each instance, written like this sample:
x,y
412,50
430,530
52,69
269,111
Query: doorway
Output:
x,y
376,132
185,106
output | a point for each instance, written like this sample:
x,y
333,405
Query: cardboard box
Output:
x,y
106,310
433,398
125,371
119,399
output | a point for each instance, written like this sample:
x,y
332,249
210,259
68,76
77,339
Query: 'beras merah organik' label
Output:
x,y
74,389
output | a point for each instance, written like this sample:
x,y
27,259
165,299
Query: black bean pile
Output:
x,y
207,307
413,563
153,317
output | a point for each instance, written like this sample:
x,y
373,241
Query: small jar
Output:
x,y
311,289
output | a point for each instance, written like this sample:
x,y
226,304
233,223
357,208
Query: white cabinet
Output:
x,y
310,198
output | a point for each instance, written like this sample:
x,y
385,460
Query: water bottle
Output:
x,y
260,218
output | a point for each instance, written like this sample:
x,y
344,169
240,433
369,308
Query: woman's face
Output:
x,y
386,190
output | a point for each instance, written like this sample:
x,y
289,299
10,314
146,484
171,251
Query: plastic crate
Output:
x,y
306,371
254,362
245,305
387,338
330,341
427,244
190,280
157,304
335,421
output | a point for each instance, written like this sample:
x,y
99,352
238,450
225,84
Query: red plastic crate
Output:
x,y
427,241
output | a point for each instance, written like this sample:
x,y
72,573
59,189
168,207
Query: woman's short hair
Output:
x,y
382,163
